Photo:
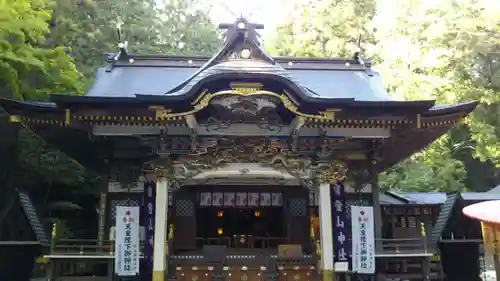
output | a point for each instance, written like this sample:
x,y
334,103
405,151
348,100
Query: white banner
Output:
x,y
363,240
127,241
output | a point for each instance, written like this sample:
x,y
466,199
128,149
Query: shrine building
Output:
x,y
244,165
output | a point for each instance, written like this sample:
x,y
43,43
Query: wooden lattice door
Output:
x,y
184,220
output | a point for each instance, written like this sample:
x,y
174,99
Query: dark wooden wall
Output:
x,y
460,261
296,215
184,218
17,262
404,221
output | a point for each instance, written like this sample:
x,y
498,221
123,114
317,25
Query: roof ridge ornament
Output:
x,y
242,27
357,56
122,53
242,41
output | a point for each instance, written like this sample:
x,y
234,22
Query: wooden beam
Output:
x,y
16,243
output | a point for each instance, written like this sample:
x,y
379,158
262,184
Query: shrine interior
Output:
x,y
240,218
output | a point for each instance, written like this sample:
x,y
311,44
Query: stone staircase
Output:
x,y
442,220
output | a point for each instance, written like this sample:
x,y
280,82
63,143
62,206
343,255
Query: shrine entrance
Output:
x,y
247,232
241,218
240,228
250,218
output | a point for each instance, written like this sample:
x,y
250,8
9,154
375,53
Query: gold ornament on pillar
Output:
x,y
170,237
331,172
171,232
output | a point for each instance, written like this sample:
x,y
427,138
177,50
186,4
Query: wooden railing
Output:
x,y
86,247
242,242
404,245
94,247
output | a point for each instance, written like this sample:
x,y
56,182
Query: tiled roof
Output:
x,y
426,197
127,74
495,190
386,199
436,198
127,81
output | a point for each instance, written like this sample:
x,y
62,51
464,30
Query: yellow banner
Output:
x,y
491,237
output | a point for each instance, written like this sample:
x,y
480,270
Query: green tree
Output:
x,y
90,28
441,51
328,28
29,69
434,169
187,29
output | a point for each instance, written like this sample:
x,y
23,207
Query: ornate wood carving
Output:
x,y
205,99
245,109
211,154
126,173
177,145
331,172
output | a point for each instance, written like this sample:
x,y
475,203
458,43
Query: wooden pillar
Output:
x,y
426,268
101,227
326,232
496,263
160,232
377,212
49,270
496,254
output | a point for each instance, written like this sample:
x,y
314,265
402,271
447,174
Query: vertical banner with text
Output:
x,y
363,240
127,241
149,222
340,227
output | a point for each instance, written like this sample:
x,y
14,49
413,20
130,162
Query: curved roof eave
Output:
x,y
441,109
11,105
416,139
65,99
296,88
428,108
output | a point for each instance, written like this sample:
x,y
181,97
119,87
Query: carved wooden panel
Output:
x,y
251,274
190,274
296,275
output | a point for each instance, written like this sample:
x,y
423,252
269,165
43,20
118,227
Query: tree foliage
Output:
x,y
326,29
92,27
187,29
28,67
443,50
